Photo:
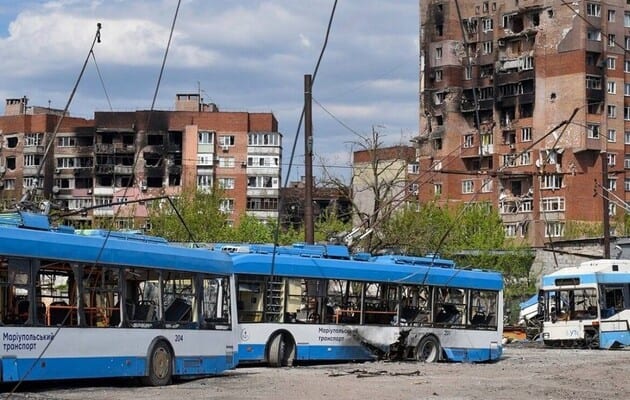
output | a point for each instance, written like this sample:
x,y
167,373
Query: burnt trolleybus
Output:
x,y
320,303
105,304
587,305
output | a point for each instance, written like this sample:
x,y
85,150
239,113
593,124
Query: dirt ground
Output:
x,y
524,372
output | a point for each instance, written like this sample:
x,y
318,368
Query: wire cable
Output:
x,y
26,200
100,77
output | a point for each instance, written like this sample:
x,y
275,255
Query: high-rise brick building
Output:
x,y
120,156
521,102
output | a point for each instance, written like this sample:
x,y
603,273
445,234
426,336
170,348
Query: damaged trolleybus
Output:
x,y
92,304
587,305
319,303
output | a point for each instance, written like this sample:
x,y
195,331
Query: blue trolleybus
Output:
x,y
319,303
91,304
587,305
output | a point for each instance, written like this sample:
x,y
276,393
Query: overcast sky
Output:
x,y
244,55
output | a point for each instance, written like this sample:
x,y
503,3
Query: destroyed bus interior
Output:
x,y
109,303
325,304
587,305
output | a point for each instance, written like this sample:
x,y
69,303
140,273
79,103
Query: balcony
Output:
x,y
123,169
175,169
104,148
487,104
470,152
120,148
104,169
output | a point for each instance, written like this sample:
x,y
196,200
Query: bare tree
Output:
x,y
377,186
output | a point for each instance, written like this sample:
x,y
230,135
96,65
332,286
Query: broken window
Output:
x,y
592,58
593,82
573,304
11,162
105,181
83,183
468,141
526,110
486,24
155,139
128,139
107,139
486,70
509,137
12,142
154,182
152,159
596,108
470,25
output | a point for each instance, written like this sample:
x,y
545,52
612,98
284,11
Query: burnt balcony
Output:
x,y
526,98
593,95
486,104
123,169
467,105
104,169
83,172
175,169
104,148
526,74
507,101
121,148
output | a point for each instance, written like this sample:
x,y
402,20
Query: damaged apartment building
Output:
x,y
525,105
89,166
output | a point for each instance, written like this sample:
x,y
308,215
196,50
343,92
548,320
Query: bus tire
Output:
x,y
428,349
281,353
160,365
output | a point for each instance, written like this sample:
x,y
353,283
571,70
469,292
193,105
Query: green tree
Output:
x,y
329,226
415,229
252,230
200,213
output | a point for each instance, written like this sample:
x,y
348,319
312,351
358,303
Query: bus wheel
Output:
x,y
280,352
428,349
160,366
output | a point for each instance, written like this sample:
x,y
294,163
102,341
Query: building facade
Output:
x,y
383,179
126,156
526,105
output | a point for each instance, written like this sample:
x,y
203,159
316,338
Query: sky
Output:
x,y
242,55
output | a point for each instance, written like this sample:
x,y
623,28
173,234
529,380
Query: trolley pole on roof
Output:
x,y
309,235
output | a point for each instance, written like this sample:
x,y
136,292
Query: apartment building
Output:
x,y
525,104
23,130
126,156
383,178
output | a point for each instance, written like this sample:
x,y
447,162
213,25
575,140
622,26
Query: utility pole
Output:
x,y
309,232
605,205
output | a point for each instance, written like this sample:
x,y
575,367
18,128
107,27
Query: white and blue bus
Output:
x,y
319,303
587,305
94,304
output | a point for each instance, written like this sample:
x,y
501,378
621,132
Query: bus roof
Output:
x,y
30,235
589,272
388,269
